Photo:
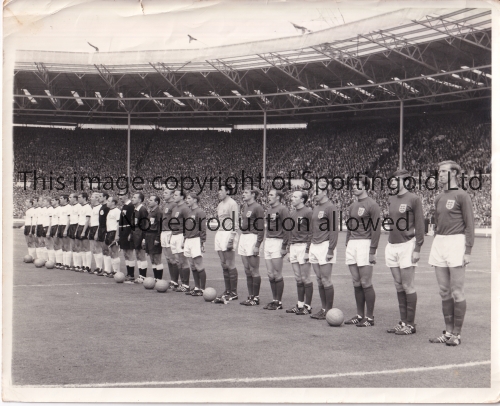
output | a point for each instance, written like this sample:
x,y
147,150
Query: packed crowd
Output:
x,y
341,148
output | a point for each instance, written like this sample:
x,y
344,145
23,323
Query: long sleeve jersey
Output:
x,y
407,217
252,221
324,225
364,222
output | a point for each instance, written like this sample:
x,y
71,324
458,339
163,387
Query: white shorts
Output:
x,y
358,252
297,253
317,254
165,238
399,255
272,248
221,239
192,247
246,244
176,242
447,251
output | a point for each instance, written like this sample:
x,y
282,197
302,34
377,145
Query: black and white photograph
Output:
x,y
253,201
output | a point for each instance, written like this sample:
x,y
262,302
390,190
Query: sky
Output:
x,y
134,25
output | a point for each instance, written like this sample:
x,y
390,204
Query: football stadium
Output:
x,y
99,302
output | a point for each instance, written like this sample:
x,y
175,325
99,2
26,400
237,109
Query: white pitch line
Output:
x,y
263,379
60,284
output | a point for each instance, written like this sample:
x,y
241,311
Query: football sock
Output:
x,y
185,276
52,255
116,264
227,281
411,300
70,257
459,311
403,305
88,256
77,259
328,297
300,291
273,287
170,271
359,295
233,279
322,295
256,285
130,271
203,279
159,269
370,301
59,256
250,285
308,289
448,313
32,252
175,272
98,260
45,254
107,263
66,260
155,272
280,285
196,278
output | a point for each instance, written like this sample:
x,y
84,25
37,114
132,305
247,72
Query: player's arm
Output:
x,y
468,216
118,221
50,224
259,227
65,233
309,231
375,230
333,232
203,229
285,215
418,213
87,222
348,234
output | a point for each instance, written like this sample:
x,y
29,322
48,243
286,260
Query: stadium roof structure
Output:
x,y
421,57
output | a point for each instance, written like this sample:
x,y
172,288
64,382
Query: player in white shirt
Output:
x,y
28,223
111,257
226,239
47,227
95,246
64,225
74,214
54,233
84,256
41,230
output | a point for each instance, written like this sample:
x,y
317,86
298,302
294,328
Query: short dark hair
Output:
x,y
280,194
157,199
304,195
183,193
114,199
141,196
65,197
194,196
453,166
84,195
253,190
400,173
105,194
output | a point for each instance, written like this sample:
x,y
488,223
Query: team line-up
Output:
x,y
70,230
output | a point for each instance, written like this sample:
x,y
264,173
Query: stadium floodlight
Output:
x,y
77,97
187,93
157,102
406,85
245,101
31,99
383,88
52,99
442,82
264,98
344,96
119,101
224,102
175,100
465,79
363,91
311,93
100,100
479,72
295,96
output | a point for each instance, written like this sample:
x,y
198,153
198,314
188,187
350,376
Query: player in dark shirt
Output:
x,y
252,235
103,261
363,235
139,227
402,253
166,235
125,241
451,249
152,237
194,243
298,248
177,225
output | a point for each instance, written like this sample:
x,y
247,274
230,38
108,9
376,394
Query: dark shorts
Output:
x,y
60,231
39,230
27,230
123,241
79,233
72,231
53,231
151,247
110,237
92,232
137,237
45,232
33,230
101,234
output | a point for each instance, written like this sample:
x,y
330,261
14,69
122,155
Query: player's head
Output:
x,y
46,201
54,201
397,179
275,196
250,194
192,199
73,198
179,196
448,171
63,199
40,200
112,202
153,201
321,189
94,198
83,198
298,197
137,198
223,192
103,197
360,185
168,194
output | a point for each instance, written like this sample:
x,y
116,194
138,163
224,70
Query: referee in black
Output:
x,y
101,230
